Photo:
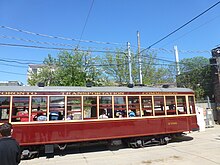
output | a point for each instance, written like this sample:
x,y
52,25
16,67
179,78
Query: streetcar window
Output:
x,y
105,105
74,111
56,108
20,106
181,105
39,108
90,107
159,105
120,106
191,105
146,103
170,105
4,108
134,106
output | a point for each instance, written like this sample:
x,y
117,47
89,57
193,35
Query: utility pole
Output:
x,y
139,58
129,65
177,60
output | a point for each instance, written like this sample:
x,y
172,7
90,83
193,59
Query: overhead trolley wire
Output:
x,y
16,59
181,26
87,18
34,41
13,73
47,43
192,30
18,66
60,49
59,37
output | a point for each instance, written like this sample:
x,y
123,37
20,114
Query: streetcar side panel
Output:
x,y
65,132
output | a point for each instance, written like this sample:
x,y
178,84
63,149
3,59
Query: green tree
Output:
x,y
68,69
154,72
196,74
115,67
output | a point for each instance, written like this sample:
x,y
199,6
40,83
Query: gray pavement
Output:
x,y
194,149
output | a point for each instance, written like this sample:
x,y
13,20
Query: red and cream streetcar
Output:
x,y
48,116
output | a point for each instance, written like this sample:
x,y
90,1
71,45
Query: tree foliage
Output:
x,y
196,74
68,69
116,68
77,68
155,74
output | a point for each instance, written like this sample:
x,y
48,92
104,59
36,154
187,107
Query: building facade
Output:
x,y
215,66
11,83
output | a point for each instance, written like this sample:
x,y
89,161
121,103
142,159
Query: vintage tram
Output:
x,y
53,115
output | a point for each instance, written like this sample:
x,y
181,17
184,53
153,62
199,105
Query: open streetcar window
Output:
x,y
181,105
56,108
170,105
39,108
20,106
191,105
90,107
4,108
133,106
159,105
105,107
146,103
74,111
120,106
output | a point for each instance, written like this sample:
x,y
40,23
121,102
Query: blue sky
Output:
x,y
114,21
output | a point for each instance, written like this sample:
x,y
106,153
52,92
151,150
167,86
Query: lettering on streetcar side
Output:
x,y
172,123
86,93
93,93
18,93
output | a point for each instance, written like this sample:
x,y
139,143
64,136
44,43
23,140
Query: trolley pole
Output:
x,y
139,58
129,65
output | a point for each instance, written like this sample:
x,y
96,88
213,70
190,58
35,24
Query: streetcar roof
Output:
x,y
91,89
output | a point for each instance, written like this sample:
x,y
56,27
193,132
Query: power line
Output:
x,y
13,73
70,45
58,37
16,59
192,30
181,26
60,49
87,18
87,50
47,43
34,41
13,65
180,51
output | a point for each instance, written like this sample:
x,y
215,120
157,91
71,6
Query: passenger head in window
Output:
x,y
103,114
60,116
172,105
119,114
40,116
131,113
70,116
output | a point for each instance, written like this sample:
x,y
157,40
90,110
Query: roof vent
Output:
x,y
40,84
165,86
89,84
130,85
